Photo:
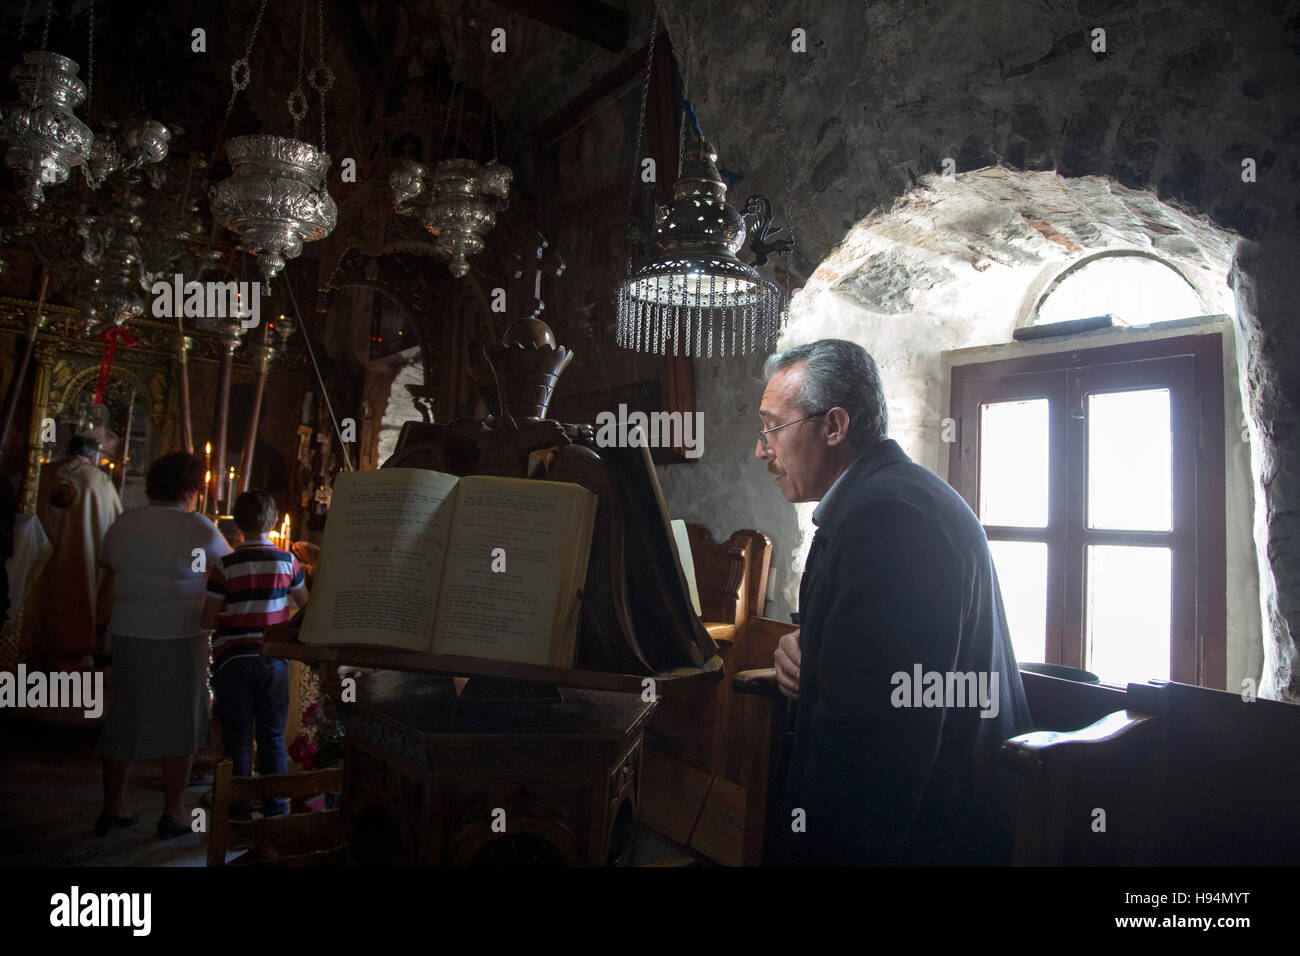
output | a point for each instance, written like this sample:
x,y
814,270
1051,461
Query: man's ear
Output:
x,y
837,431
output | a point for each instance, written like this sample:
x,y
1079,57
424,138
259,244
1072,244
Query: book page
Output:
x,y
506,614
382,558
682,539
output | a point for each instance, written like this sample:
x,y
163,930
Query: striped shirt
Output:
x,y
254,582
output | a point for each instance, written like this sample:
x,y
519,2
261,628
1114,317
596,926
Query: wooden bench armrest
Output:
x,y
1030,754
761,681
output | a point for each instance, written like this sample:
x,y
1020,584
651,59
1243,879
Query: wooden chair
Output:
x,y
705,766
300,839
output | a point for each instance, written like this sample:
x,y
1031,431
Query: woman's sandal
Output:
x,y
169,828
107,822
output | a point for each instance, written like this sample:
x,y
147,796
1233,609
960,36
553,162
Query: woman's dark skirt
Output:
x,y
159,701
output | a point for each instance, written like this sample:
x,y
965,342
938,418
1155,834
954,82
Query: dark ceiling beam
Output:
x,y
589,20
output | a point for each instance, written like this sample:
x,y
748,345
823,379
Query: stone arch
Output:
x,y
1053,275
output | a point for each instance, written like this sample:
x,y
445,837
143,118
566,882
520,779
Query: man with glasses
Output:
x,y
899,581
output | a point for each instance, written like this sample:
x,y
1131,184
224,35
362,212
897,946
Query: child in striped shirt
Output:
x,y
254,585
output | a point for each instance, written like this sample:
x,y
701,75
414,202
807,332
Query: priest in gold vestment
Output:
x,y
76,504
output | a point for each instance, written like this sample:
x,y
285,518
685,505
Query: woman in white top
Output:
x,y
159,557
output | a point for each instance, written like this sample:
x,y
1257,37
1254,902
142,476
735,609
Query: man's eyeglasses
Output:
x,y
762,436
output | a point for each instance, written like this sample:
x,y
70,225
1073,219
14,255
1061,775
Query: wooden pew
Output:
x,y
704,772
1185,776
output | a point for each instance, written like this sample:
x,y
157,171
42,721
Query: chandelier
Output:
x,y
695,295
115,296
458,204
276,198
696,291
45,137
145,142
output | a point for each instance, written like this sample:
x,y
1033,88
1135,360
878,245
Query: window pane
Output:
x,y
1129,461
1013,463
1127,617
1138,289
1022,575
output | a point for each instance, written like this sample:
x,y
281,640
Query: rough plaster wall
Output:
x,y
886,90
1267,284
401,408
728,488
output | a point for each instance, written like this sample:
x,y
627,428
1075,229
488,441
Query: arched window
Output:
x,y
1134,286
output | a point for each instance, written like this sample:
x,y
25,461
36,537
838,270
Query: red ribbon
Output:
x,y
110,338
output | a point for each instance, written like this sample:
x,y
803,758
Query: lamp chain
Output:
x,y
326,81
640,124
460,115
446,121
297,101
785,153
686,86
238,80
22,26
90,59
45,42
491,112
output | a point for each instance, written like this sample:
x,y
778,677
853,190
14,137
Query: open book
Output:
x,y
475,566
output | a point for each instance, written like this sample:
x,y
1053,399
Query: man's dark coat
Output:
x,y
900,574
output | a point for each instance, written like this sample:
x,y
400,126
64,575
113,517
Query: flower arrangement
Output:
x,y
320,743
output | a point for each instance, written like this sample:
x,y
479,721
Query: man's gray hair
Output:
x,y
838,373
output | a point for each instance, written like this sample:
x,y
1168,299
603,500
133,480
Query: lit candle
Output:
x,y
207,475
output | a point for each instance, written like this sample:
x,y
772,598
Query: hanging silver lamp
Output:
x,y
696,292
45,137
458,204
276,199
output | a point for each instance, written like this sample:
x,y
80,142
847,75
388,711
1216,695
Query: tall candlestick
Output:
x,y
24,360
230,333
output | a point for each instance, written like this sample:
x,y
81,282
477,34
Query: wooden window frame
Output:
x,y
1191,367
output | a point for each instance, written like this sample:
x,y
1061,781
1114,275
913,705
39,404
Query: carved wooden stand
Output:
x,y
430,780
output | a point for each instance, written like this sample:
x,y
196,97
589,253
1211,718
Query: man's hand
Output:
x,y
787,665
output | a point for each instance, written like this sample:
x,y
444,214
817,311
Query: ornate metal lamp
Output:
x,y
458,204
696,290
116,297
46,139
276,199
145,142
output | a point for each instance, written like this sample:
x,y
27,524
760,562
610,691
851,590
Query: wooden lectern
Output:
x,y
528,763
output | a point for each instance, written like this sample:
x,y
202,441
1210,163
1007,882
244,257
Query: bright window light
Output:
x,y
1138,289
